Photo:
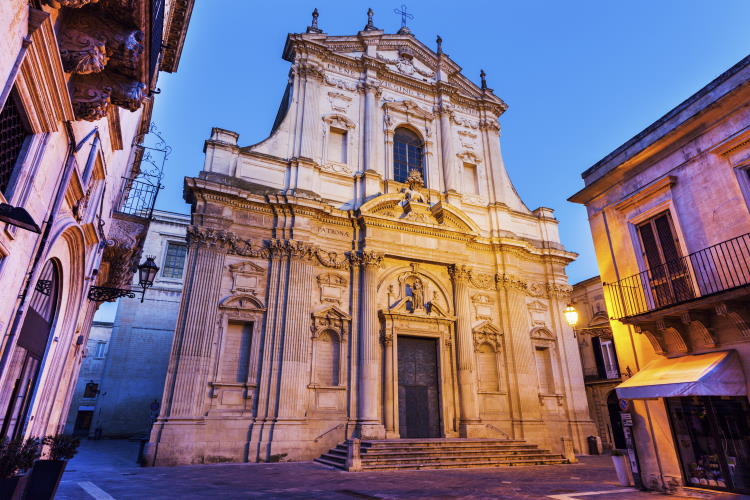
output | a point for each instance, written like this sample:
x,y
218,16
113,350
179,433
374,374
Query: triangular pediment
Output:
x,y
331,311
486,327
246,267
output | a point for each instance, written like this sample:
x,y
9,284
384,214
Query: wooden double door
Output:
x,y
418,388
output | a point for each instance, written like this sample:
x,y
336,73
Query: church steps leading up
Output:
x,y
409,454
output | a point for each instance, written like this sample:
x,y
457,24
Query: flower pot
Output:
x,y
11,488
621,468
44,478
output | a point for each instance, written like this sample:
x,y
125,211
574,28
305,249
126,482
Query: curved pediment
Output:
x,y
393,206
242,302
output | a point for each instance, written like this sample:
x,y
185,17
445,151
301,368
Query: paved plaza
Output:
x,y
106,469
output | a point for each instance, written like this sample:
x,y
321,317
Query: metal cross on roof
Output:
x,y
404,16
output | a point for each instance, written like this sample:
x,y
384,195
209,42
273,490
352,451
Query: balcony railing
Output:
x,y
138,198
715,269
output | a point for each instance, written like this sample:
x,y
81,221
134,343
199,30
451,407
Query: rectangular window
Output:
x,y
174,262
544,370
470,184
667,271
91,390
13,133
235,362
337,145
101,349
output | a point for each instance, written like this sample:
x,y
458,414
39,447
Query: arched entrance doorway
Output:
x,y
26,363
615,421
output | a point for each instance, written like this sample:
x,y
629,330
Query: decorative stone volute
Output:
x,y
459,272
92,94
371,259
213,238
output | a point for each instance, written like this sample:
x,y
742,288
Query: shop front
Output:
x,y
705,396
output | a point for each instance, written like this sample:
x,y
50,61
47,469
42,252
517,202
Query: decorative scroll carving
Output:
x,y
122,252
489,124
486,333
512,282
370,258
341,84
483,281
339,101
408,108
559,290
89,42
71,4
656,342
93,93
405,63
330,318
209,237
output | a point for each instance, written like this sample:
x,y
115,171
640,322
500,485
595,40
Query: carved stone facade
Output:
x,y
357,261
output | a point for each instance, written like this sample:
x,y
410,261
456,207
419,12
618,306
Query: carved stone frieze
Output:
x,y
213,238
371,259
559,290
483,281
510,281
340,83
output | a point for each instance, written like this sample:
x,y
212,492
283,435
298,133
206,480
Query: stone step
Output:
x,y
440,442
415,455
458,458
446,449
464,465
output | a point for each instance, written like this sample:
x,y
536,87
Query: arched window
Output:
x,y
327,359
407,154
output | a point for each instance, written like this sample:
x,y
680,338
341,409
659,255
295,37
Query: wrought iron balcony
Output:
x,y
138,197
718,268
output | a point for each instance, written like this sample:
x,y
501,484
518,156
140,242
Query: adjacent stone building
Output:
x,y
669,216
601,373
83,402
368,270
131,381
77,86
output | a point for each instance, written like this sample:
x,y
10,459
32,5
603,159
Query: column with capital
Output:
x,y
470,424
373,164
370,426
450,175
185,393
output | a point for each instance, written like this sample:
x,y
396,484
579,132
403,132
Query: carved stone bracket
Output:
x,y
653,338
122,252
699,322
738,316
672,335
92,94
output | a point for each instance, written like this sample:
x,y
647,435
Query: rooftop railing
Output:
x,y
709,271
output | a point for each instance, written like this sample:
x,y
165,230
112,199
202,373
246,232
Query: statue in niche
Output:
x,y
417,293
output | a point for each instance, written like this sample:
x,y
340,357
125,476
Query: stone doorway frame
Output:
x,y
395,324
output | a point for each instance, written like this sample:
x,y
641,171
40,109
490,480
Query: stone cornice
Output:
x,y
176,30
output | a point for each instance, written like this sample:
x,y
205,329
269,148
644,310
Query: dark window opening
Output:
x,y
13,133
91,390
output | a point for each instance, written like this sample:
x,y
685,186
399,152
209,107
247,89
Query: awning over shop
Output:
x,y
710,374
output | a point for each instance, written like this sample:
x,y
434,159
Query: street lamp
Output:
x,y
571,315
18,216
146,276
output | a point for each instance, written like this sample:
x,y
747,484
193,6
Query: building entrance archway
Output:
x,y
26,363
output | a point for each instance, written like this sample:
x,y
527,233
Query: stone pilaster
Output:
x,y
450,175
370,426
389,415
311,118
296,333
527,415
370,127
176,436
467,381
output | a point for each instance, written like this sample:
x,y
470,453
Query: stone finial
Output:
x,y
439,45
483,76
370,26
313,28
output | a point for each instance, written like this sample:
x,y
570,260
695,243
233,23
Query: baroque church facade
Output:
x,y
368,271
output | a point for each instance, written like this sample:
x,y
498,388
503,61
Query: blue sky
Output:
x,y
580,78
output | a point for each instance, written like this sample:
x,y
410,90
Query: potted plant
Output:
x,y
621,467
46,474
16,457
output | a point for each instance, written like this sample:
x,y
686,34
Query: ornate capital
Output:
x,y
459,273
559,290
510,281
371,259
310,70
216,239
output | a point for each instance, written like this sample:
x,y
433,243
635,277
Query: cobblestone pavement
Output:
x,y
106,469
